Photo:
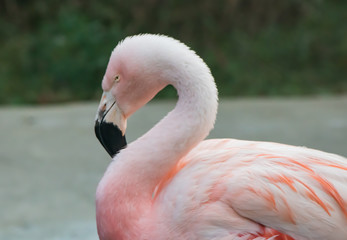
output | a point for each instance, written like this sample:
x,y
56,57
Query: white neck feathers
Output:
x,y
145,161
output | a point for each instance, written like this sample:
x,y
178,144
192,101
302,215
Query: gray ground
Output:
x,y
50,161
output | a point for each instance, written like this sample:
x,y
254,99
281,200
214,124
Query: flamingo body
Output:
x,y
232,181
170,184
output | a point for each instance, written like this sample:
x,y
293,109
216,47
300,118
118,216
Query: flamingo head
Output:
x,y
136,72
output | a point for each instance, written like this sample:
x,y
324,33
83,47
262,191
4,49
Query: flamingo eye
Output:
x,y
116,78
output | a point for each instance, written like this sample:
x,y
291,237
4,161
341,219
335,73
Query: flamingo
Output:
x,y
172,184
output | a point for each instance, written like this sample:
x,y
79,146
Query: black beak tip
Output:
x,y
110,137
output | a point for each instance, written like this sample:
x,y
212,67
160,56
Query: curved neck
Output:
x,y
148,159
129,182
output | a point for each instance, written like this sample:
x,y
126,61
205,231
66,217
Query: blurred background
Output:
x,y
50,49
280,67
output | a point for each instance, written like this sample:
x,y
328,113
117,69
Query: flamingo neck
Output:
x,y
132,177
147,160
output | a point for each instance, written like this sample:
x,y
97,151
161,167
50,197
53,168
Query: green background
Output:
x,y
57,51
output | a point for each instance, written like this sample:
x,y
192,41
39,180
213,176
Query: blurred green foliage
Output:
x,y
57,50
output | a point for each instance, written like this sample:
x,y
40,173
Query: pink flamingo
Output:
x,y
170,184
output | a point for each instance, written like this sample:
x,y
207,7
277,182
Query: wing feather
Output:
x,y
299,191
295,191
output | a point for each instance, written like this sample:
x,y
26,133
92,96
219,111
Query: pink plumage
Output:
x,y
171,184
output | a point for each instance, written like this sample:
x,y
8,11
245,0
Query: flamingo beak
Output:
x,y
110,125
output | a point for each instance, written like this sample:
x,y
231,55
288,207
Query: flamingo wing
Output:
x,y
298,191
265,189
